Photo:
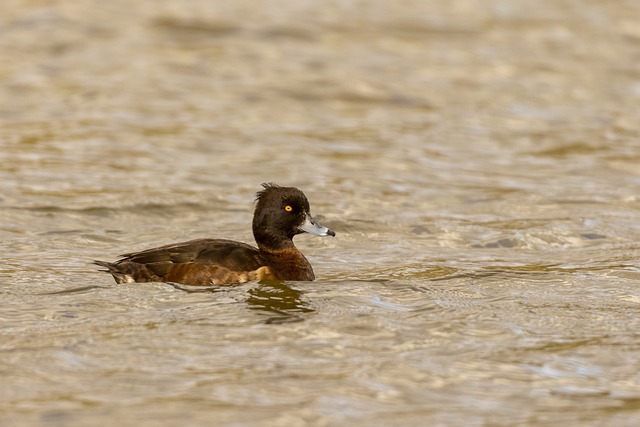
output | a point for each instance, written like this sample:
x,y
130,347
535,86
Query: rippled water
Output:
x,y
478,161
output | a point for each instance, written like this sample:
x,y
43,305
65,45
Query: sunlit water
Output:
x,y
479,162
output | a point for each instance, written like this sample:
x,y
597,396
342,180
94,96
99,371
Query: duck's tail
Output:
x,y
112,268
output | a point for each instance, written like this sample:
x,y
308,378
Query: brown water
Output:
x,y
479,161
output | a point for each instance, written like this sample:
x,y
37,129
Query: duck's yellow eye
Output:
x,y
288,208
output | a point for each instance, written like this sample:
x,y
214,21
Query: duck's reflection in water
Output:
x,y
277,299
281,301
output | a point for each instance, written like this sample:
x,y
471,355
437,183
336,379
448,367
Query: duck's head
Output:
x,y
280,214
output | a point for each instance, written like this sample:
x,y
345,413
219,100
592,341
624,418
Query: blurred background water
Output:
x,y
479,162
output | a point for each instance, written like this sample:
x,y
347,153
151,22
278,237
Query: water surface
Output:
x,y
479,163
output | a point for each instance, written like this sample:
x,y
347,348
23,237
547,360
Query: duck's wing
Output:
x,y
196,262
235,256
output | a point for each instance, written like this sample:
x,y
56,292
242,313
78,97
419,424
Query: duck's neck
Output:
x,y
268,239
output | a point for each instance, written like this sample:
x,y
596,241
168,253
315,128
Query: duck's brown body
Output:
x,y
210,262
281,213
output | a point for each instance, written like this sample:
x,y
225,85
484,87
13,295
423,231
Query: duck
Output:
x,y
280,214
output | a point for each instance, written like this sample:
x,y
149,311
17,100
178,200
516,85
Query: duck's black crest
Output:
x,y
267,187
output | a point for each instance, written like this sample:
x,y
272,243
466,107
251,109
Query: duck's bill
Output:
x,y
311,226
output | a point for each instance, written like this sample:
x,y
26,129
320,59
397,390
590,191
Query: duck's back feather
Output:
x,y
198,262
230,254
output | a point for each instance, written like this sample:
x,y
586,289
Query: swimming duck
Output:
x,y
280,214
